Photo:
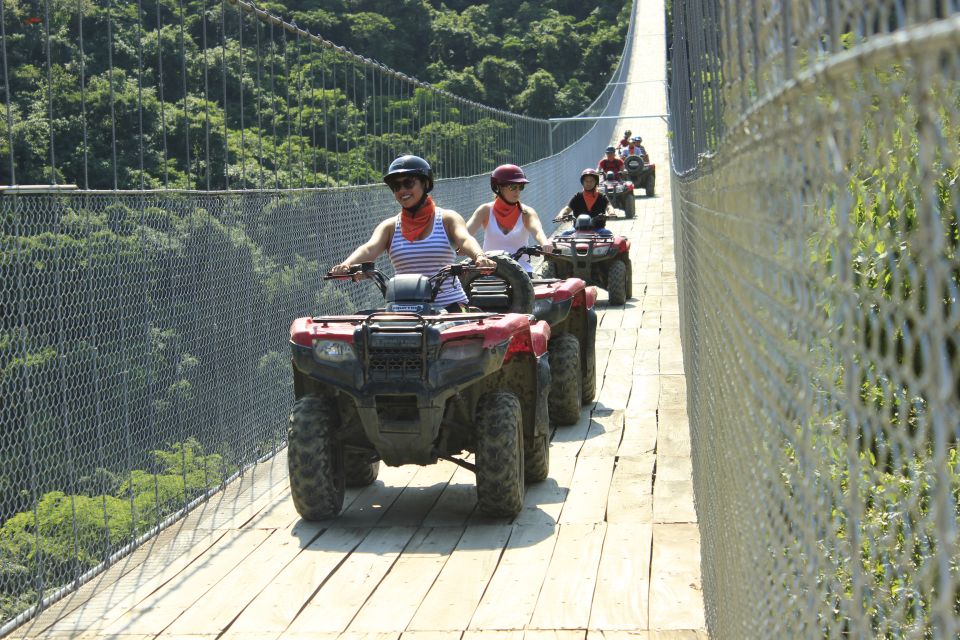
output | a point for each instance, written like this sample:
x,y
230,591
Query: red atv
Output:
x,y
619,192
411,384
593,254
567,306
643,174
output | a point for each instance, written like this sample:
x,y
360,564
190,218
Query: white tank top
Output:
x,y
426,257
496,240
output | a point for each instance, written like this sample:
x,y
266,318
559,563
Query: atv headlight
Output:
x,y
462,350
332,351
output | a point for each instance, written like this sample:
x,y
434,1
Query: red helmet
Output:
x,y
507,174
589,172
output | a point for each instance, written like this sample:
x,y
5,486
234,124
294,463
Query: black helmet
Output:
x,y
611,175
411,166
611,149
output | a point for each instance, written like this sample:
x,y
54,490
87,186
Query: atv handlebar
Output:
x,y
368,270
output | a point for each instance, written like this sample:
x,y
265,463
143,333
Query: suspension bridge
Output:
x,y
773,448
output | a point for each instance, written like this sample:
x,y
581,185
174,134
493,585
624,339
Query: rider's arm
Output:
x,y
480,218
532,222
563,212
463,242
371,249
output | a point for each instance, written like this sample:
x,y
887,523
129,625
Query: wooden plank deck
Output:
x,y
607,548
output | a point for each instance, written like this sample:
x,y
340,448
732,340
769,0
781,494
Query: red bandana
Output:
x,y
412,223
506,214
590,197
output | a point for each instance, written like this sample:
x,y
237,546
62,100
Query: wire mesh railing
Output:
x,y
816,151
143,331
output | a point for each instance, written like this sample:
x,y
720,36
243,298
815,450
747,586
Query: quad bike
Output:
x,y
412,384
643,175
603,260
619,192
567,306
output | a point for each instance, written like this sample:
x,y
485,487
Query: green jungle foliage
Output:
x,y
168,86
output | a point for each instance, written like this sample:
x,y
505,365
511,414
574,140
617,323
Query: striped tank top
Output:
x,y
426,257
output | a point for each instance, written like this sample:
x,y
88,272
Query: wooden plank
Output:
x,y
392,605
673,490
676,598
554,634
221,604
623,579
275,608
587,499
336,603
680,634
493,634
620,362
453,599
567,593
604,434
544,500
619,635
157,611
631,496
511,596
457,502
420,495
648,339
646,363
673,432
626,339
108,597
644,394
614,393
639,433
374,501
431,635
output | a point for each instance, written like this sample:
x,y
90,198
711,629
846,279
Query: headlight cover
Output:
x,y
462,350
333,351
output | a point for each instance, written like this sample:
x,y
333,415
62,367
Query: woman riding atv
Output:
x,y
512,222
589,201
422,238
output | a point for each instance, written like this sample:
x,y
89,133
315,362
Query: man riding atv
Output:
x,y
611,163
642,173
589,201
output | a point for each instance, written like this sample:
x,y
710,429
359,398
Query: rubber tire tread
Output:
x,y
499,454
509,270
315,459
588,356
629,278
631,209
566,386
617,283
536,450
359,472
650,183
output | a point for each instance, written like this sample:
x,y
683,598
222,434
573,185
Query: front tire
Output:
x,y
500,467
588,354
565,388
315,459
630,210
536,450
617,283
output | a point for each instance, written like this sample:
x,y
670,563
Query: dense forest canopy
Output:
x,y
200,94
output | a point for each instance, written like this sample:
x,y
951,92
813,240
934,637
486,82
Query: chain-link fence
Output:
x,y
816,147
143,334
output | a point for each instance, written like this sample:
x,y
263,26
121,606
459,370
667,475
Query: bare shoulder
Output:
x,y
528,210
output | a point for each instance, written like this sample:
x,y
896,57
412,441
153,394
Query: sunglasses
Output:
x,y
405,183
512,187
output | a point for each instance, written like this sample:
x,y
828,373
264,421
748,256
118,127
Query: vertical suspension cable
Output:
x,y
186,114
163,119
286,113
303,169
113,101
336,132
259,87
223,75
140,87
353,74
46,25
6,90
206,92
273,110
83,91
326,142
313,111
243,140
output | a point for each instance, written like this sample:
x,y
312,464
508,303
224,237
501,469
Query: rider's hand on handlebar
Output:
x,y
485,262
341,269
